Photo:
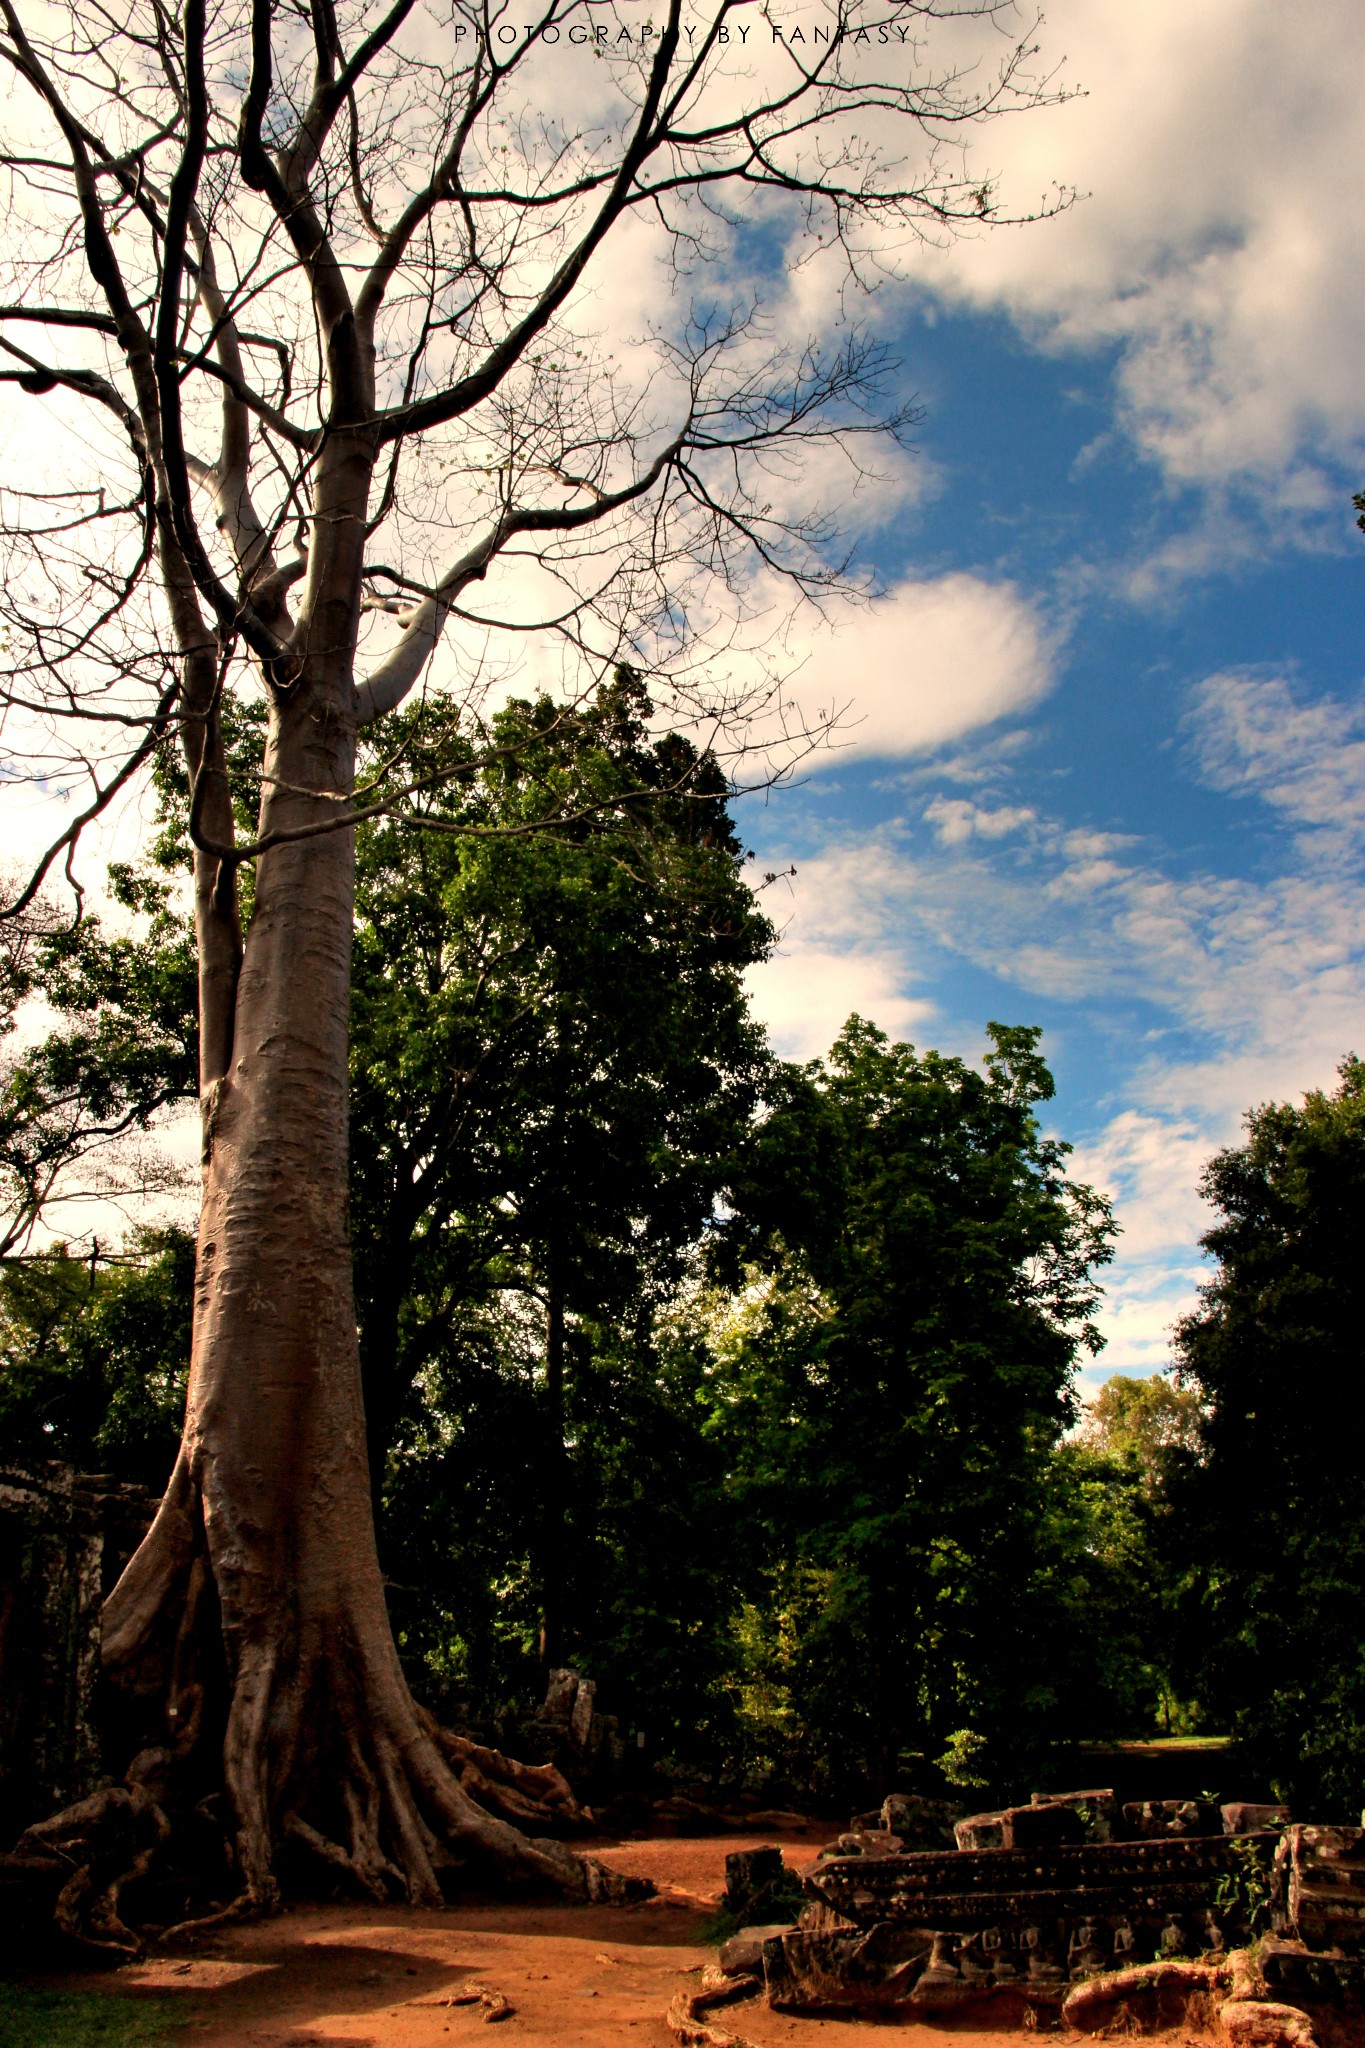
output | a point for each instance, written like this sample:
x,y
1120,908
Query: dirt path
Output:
x,y
576,1977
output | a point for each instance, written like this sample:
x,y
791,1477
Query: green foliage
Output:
x,y
93,1356
916,1282
553,1063
1116,1481
1272,1521
552,1052
125,1048
963,1760
794,1471
1246,1889
83,2019
1145,1426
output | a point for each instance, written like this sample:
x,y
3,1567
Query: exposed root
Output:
x,y
108,1840
271,1675
243,1907
1148,1996
687,2017
531,1794
494,2005
358,1784
335,1856
1260,2023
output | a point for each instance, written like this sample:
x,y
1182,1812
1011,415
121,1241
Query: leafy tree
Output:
x,y
893,1380
553,1063
94,1353
652,1567
1118,1484
1140,1423
1272,1516
74,1101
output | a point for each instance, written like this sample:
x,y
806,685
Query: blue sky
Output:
x,y
1138,447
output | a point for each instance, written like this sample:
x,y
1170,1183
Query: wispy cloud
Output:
x,y
1249,735
1211,991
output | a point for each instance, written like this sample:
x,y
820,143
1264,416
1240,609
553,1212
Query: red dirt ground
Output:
x,y
354,1976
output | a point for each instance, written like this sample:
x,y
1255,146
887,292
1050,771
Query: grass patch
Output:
x,y
82,2019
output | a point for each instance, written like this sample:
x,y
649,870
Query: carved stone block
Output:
x,y
1242,1817
1097,1811
1042,1826
1149,1819
1320,1887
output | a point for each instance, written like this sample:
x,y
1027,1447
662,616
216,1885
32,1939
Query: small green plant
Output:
x,y
776,1904
82,2019
1244,1890
963,1762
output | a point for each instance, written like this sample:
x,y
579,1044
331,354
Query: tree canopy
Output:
x,y
1272,1516
920,1275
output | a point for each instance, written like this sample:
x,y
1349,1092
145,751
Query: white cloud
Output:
x,y
1150,1166
956,819
1306,760
806,994
1218,246
925,664
841,951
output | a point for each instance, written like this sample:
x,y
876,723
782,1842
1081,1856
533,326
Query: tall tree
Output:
x,y
894,1381
320,279
1275,1612
553,1058
1120,1484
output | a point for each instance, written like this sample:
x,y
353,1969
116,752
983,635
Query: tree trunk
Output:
x,y
254,1609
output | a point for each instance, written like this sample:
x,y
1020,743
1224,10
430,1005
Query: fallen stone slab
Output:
x,y
751,1877
742,1955
863,1842
1097,1811
1298,1975
921,1823
845,1969
1244,1817
1043,1826
1151,1883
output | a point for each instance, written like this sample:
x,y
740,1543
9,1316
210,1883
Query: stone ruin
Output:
x,y
1037,1910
